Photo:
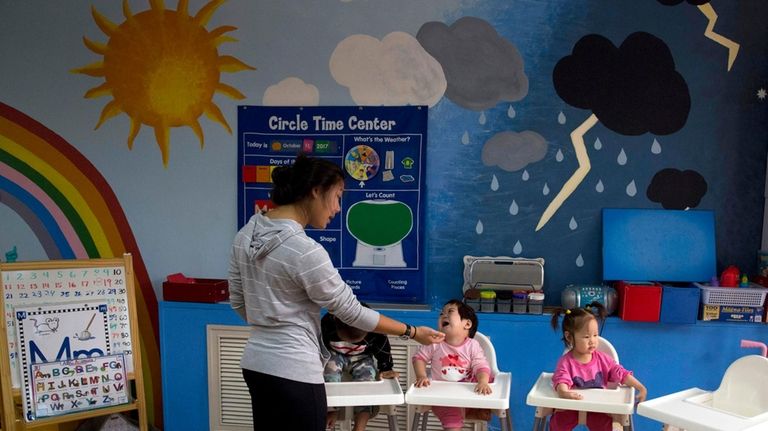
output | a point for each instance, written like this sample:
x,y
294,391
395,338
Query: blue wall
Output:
x,y
666,358
184,221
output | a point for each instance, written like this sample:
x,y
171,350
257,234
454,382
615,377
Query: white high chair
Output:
x,y
457,394
618,402
385,393
739,404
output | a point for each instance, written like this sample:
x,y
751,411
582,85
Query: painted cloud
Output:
x,y
393,71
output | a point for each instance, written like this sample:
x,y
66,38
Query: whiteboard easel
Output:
x,y
10,394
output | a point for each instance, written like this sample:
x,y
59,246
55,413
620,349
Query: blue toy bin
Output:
x,y
679,304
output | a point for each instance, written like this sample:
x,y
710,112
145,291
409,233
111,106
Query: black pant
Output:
x,y
282,404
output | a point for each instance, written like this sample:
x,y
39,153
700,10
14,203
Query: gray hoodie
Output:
x,y
279,280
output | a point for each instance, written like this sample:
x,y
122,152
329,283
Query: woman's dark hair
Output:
x,y
575,318
294,183
465,312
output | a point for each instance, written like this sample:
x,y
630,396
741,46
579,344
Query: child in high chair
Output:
x,y
583,366
353,351
459,358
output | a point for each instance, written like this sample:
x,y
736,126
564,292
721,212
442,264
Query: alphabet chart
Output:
x,y
58,332
78,384
52,286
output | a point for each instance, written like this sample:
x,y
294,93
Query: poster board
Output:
x,y
108,282
377,240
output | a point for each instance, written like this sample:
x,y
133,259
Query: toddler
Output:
x,y
459,358
583,366
353,351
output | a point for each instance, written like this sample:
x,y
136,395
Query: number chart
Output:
x,y
52,286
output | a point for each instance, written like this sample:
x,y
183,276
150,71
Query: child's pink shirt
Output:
x,y
454,363
597,373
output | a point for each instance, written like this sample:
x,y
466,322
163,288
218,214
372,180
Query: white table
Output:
x,y
459,394
384,392
453,394
691,409
617,401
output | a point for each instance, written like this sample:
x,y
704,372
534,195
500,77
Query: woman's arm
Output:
x,y
422,334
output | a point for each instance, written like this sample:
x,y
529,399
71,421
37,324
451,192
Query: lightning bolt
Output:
x,y
733,47
577,137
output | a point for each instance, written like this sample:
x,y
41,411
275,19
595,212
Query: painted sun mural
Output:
x,y
162,68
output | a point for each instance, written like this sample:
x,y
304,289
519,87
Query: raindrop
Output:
x,y
513,208
526,175
656,147
559,156
598,144
518,248
494,183
511,112
465,138
572,224
579,261
599,187
545,190
561,118
479,227
631,189
622,159
482,118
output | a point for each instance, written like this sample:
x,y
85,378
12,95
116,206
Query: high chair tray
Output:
x,y
677,410
620,400
453,394
381,393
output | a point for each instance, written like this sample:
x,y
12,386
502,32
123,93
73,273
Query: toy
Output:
x,y
744,281
730,277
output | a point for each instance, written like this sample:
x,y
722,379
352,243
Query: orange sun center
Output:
x,y
166,80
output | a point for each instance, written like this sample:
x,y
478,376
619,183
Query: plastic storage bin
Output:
x,y
519,302
753,296
177,287
679,304
639,301
487,301
474,303
503,302
535,302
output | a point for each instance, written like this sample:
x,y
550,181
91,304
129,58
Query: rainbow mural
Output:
x,y
75,215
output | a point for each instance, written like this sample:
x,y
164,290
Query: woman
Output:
x,y
279,279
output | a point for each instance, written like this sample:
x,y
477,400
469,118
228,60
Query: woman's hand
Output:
x,y
426,335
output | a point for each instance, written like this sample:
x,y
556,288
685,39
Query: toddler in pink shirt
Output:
x,y
459,358
583,366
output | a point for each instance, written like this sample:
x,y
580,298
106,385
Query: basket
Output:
x,y
736,296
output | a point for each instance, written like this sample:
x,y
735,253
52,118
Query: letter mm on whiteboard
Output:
x,y
60,332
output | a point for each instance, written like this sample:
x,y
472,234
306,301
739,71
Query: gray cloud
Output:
x,y
481,67
513,151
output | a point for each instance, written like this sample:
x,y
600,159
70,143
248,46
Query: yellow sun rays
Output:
x,y
162,68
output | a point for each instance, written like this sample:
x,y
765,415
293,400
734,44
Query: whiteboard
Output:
x,y
36,287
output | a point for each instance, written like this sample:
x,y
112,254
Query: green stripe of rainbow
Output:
x,y
75,214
